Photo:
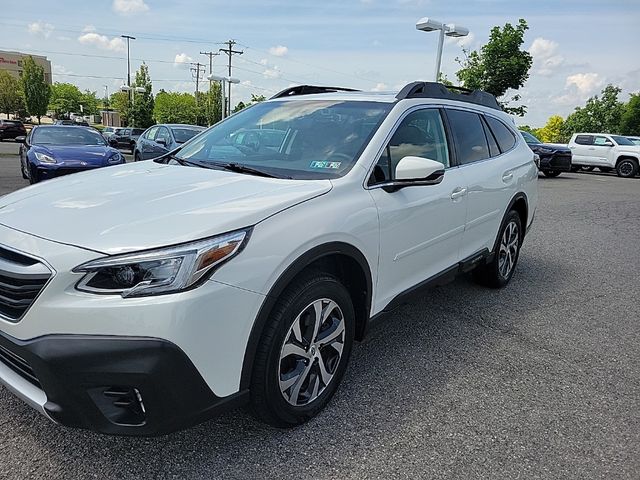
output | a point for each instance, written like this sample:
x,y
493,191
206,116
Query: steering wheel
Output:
x,y
335,157
252,141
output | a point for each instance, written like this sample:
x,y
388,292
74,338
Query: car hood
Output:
x,y
77,154
555,146
146,205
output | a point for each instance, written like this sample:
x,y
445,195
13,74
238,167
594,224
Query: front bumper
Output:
x,y
46,172
556,162
114,385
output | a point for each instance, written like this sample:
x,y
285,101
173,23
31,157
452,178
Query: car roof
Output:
x,y
178,125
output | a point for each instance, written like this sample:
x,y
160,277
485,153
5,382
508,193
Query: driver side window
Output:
x,y
421,134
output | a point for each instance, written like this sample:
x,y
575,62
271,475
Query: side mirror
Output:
x,y
21,139
113,142
412,171
161,141
608,144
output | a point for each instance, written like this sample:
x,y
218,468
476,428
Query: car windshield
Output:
x,y
183,135
635,141
530,138
301,139
66,136
622,140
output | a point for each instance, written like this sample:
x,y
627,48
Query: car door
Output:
x,y
148,144
162,141
581,150
421,227
490,174
600,149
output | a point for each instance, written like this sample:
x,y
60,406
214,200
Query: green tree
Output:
x,y
499,65
119,102
601,114
65,99
254,99
630,121
552,132
173,107
89,102
142,106
36,89
527,128
10,93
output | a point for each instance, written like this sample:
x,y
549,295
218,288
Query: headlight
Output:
x,y
44,158
117,158
545,150
160,271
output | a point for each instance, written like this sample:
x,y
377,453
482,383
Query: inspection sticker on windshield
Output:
x,y
333,165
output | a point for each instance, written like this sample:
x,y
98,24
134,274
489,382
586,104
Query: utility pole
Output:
x,y
128,37
230,52
209,106
195,71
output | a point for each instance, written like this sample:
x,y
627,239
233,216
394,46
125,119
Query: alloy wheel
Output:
x,y
508,249
311,352
625,168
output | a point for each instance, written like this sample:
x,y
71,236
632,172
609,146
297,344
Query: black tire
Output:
x,y
24,175
605,169
136,157
491,274
587,168
627,168
32,177
551,173
268,402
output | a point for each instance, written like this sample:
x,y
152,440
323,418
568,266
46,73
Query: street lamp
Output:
x,y
449,29
223,81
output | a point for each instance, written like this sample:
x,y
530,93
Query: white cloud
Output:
x,y
40,28
380,87
115,44
129,7
586,83
545,57
60,69
89,28
264,62
463,42
182,60
279,51
272,72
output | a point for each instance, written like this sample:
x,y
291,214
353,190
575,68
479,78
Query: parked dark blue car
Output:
x,y
161,139
53,150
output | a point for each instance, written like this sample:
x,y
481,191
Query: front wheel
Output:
x,y
136,157
498,272
304,351
627,168
551,173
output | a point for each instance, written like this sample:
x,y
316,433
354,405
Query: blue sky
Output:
x,y
578,46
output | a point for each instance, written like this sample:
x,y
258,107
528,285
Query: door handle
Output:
x,y
507,177
458,192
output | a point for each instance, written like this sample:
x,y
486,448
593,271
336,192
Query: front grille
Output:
x,y
22,279
18,365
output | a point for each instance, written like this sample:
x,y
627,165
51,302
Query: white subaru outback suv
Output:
x,y
240,268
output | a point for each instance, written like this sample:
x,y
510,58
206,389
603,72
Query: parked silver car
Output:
x,y
160,139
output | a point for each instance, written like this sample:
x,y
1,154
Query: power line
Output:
x,y
230,52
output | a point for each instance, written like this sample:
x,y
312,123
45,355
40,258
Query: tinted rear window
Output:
x,y
583,140
506,140
468,136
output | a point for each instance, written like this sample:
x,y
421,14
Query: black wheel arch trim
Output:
x,y
295,268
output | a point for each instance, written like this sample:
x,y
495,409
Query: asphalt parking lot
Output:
x,y
538,380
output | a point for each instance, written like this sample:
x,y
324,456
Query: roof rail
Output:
x,y
439,90
309,89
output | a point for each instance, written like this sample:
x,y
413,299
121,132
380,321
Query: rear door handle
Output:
x,y
507,177
458,192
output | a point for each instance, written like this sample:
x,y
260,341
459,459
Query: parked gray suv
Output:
x,y
160,139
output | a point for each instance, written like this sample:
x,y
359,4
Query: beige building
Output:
x,y
12,63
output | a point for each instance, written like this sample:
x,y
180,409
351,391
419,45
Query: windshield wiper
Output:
x,y
184,162
240,168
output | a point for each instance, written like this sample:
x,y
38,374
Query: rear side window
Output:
x,y
584,140
494,151
468,136
138,131
505,138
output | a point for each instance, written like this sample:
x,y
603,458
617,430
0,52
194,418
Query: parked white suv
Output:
x,y
607,152
147,297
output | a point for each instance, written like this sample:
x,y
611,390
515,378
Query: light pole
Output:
x,y
223,81
449,29
128,37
